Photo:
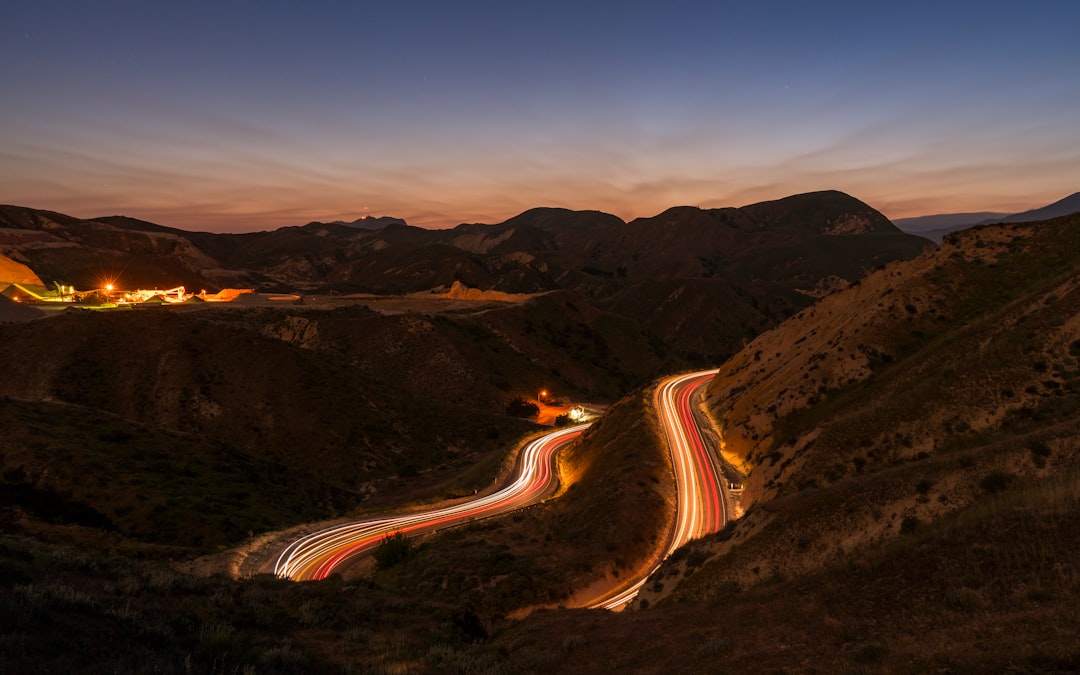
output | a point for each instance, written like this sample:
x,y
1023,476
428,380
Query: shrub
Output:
x,y
996,481
572,642
395,548
470,625
965,599
519,407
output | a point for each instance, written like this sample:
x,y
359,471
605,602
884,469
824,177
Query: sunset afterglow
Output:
x,y
249,116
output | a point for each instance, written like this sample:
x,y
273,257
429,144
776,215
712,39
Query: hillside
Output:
x,y
332,397
957,340
90,253
14,272
918,415
914,493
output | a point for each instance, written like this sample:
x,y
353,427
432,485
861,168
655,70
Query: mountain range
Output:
x,y
685,273
937,226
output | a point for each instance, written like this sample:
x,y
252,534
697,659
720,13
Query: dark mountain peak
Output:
x,y
553,218
369,223
24,218
683,216
135,225
375,222
829,212
788,241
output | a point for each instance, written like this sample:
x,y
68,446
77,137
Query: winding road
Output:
x,y
701,506
319,554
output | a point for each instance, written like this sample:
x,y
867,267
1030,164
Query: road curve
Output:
x,y
319,554
701,507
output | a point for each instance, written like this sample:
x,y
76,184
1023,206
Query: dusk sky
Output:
x,y
240,116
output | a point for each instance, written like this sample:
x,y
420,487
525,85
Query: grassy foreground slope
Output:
x,y
989,589
926,383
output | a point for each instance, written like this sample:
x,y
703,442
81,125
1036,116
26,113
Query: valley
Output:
x,y
868,465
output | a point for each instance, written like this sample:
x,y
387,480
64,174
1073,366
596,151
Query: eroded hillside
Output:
x,y
904,399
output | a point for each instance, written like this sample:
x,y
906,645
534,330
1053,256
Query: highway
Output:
x,y
701,505
319,554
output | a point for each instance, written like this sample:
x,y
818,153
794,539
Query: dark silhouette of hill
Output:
x,y
935,227
685,274
370,222
540,249
90,253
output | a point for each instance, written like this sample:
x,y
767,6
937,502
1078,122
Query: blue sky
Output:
x,y
236,116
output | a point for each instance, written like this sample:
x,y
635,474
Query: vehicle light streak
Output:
x,y
701,507
319,554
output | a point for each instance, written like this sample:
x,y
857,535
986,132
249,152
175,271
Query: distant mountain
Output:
x,y
370,222
944,221
757,264
935,227
1062,207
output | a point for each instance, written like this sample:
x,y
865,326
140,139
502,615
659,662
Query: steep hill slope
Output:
x,y
365,408
743,270
935,333
903,400
913,445
90,253
13,271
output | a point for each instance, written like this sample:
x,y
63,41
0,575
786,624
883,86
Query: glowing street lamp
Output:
x,y
541,395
